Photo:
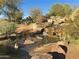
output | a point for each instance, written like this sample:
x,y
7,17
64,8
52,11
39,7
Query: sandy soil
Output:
x,y
73,51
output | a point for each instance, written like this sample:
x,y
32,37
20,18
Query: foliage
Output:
x,y
7,27
15,16
28,20
60,10
10,9
73,28
75,15
67,9
57,9
34,13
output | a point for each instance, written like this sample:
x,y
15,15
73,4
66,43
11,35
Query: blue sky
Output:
x,y
44,5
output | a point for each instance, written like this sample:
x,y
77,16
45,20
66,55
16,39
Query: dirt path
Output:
x,y
73,52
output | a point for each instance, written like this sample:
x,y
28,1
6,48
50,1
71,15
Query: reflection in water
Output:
x,y
22,54
8,57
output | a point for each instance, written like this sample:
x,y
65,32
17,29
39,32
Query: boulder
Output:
x,y
43,56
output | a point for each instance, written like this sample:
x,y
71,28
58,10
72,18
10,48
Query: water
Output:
x,y
21,54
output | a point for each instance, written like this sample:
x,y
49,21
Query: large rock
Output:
x,y
43,56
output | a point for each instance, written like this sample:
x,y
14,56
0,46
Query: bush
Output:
x,y
7,27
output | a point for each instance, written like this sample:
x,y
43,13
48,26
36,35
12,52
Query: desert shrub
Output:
x,y
7,27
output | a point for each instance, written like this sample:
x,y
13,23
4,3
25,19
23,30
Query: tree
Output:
x,y
57,10
73,28
34,13
15,16
10,9
67,9
60,10
75,15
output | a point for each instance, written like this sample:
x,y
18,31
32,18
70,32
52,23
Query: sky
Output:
x,y
43,5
